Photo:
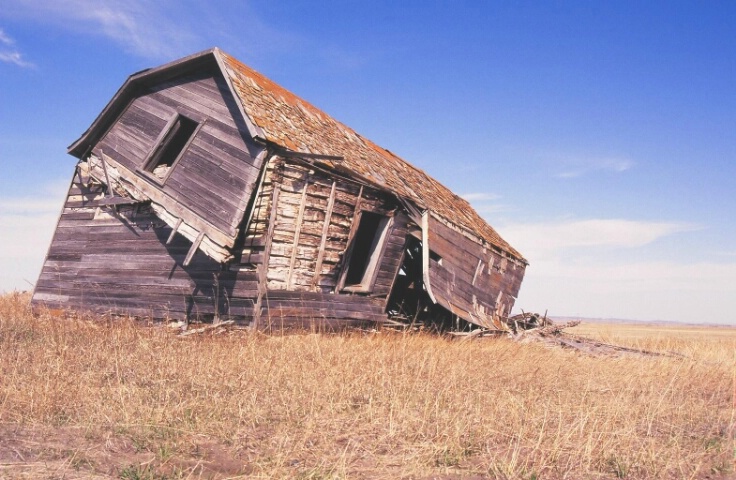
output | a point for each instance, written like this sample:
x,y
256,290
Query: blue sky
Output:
x,y
597,137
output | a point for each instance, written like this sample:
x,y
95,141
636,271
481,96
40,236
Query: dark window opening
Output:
x,y
365,250
171,146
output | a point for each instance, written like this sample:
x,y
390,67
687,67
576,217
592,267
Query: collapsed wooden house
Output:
x,y
205,190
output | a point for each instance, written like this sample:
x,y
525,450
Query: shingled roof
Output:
x,y
279,117
288,121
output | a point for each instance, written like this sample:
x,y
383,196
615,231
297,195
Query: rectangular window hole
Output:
x,y
171,146
364,252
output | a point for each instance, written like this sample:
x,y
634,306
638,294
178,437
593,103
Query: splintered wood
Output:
x,y
541,329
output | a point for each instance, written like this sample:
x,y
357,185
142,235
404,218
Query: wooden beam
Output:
x,y
353,228
254,198
116,201
108,187
193,249
325,231
292,154
78,173
168,209
297,232
425,255
478,269
263,267
173,232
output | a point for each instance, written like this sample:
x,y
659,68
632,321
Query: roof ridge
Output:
x,y
294,123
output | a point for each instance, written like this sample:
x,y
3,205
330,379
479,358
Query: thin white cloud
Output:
x,y
152,29
491,208
590,268
10,54
26,226
485,203
542,240
4,39
28,206
577,167
15,58
645,290
165,29
479,197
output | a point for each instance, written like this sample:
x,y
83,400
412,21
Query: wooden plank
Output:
x,y
193,250
351,234
252,240
393,255
295,243
178,209
155,109
173,232
201,163
425,256
108,187
124,146
217,211
478,269
325,230
143,123
263,267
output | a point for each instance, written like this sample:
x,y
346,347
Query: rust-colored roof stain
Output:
x,y
293,123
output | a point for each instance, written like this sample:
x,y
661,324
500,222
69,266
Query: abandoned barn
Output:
x,y
205,190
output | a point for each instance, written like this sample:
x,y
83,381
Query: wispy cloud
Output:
x,y
591,268
26,226
485,203
4,39
161,30
27,206
577,167
480,197
644,290
548,239
148,28
10,54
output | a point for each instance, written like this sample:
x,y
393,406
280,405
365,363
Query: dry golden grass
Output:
x,y
112,398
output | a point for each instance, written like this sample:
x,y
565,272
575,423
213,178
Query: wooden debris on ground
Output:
x,y
523,328
214,328
531,327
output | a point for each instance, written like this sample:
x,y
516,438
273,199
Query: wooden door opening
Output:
x,y
364,253
408,301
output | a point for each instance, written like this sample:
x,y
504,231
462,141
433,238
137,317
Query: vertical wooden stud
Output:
x,y
325,231
297,232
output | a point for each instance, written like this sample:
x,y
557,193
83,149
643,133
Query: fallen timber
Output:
x,y
522,328
532,327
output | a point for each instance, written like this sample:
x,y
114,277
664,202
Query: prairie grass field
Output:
x,y
86,397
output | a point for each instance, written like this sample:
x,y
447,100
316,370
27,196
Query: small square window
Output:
x,y
168,150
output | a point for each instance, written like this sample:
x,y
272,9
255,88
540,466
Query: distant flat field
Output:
x,y
653,330
716,343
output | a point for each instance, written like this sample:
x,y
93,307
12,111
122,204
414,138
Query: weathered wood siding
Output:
x,y
314,216
392,255
216,174
471,280
109,259
285,309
